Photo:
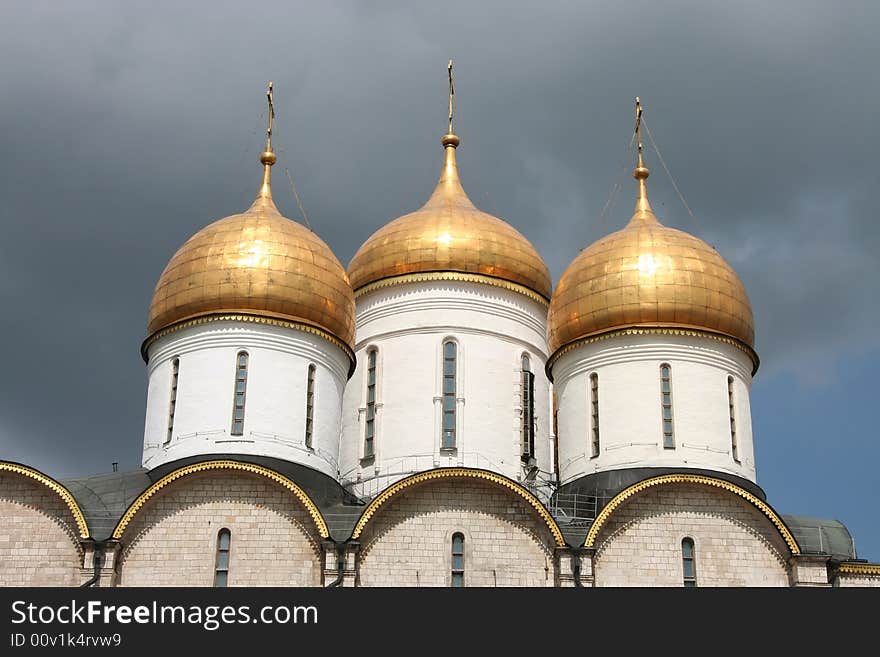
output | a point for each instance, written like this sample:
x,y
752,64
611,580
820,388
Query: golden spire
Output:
x,y
267,157
449,189
641,172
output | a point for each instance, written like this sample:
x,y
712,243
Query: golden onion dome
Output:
x,y
449,238
649,275
256,265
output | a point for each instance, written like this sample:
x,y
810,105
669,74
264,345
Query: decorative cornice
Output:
x,y
223,465
452,276
859,568
653,330
445,473
255,319
54,486
494,305
624,495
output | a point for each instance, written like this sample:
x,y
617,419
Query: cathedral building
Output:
x,y
436,414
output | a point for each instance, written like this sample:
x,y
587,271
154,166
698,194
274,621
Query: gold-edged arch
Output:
x,y
55,487
624,495
298,492
445,473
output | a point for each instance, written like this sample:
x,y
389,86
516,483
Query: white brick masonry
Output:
x,y
852,579
409,541
172,541
735,544
39,544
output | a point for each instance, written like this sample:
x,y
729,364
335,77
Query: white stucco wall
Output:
x,y
408,324
630,411
275,403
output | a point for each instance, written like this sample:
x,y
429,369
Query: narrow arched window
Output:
x,y
594,414
732,409
449,393
221,569
310,405
172,400
528,409
241,370
458,559
666,403
370,428
688,562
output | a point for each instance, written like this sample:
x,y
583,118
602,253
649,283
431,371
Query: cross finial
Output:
x,y
638,130
267,157
641,172
270,97
451,95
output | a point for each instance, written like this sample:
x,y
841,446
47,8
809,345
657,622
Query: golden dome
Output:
x,y
648,275
256,264
449,234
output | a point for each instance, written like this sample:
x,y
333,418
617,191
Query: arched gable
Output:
x,y
56,487
445,473
666,480
299,493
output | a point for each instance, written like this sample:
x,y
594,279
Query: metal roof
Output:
x,y
822,536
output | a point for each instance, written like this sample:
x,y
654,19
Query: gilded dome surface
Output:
x,y
449,234
256,263
648,275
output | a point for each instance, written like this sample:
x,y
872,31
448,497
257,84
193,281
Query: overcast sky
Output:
x,y
125,128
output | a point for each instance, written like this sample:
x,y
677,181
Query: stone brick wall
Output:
x,y
852,579
735,544
809,570
172,541
39,543
409,541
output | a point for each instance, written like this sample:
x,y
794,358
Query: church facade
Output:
x,y
436,414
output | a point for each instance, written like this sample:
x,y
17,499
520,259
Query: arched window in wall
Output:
x,y
221,569
594,414
688,562
310,405
370,426
732,409
457,559
666,403
450,362
528,409
241,371
172,400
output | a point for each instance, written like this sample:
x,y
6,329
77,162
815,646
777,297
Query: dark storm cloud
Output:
x,y
127,128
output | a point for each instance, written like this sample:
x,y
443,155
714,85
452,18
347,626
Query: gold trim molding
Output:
x,y
452,276
859,568
55,487
256,319
624,495
655,330
298,492
446,473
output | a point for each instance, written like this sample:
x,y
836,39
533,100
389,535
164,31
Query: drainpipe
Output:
x,y
98,561
340,566
576,567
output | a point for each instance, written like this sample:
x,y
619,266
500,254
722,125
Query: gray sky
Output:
x,y
126,128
